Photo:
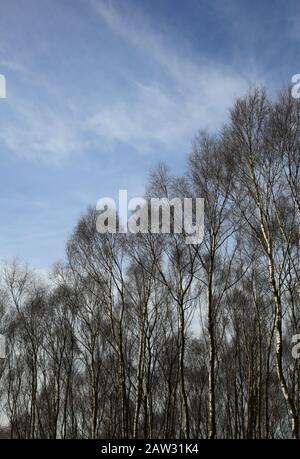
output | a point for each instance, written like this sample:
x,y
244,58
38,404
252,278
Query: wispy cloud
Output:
x,y
35,130
12,65
165,109
194,92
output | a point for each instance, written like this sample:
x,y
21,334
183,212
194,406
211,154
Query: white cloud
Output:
x,y
196,93
38,132
188,93
13,65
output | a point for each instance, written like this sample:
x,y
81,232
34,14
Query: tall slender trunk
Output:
x,y
278,350
212,359
140,376
184,400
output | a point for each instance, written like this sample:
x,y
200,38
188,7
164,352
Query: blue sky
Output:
x,y
99,91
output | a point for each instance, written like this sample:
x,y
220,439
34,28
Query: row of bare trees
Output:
x,y
143,335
